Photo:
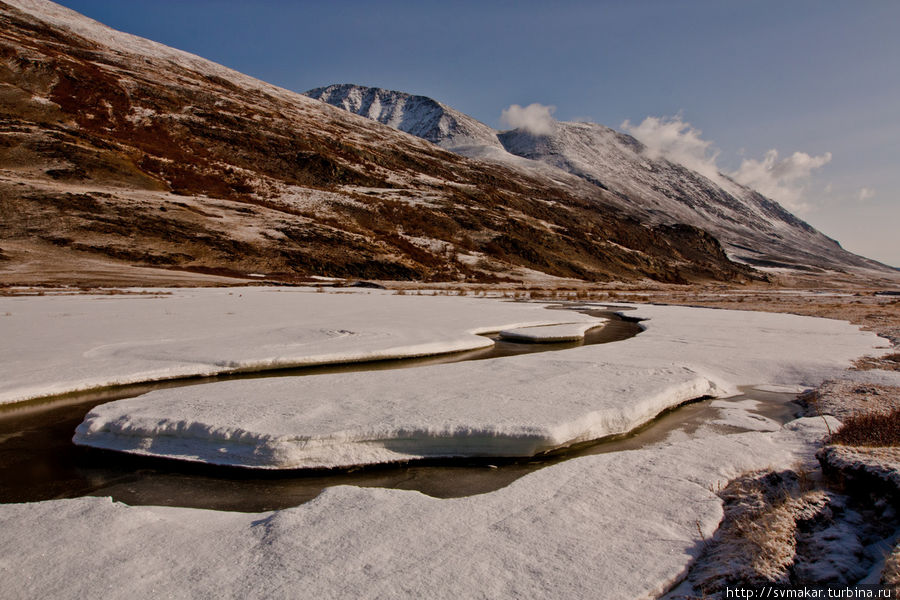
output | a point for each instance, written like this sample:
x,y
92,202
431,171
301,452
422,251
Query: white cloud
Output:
x,y
784,179
678,141
535,118
864,194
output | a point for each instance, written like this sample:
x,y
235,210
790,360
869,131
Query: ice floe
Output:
x,y
502,407
564,332
515,406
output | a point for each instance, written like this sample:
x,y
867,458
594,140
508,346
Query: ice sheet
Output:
x,y
617,526
64,343
504,407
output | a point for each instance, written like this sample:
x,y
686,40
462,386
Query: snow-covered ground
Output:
x,y
515,406
58,344
618,526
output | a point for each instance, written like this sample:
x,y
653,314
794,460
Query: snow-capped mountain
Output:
x,y
752,228
416,115
118,154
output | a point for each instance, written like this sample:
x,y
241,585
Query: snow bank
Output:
x,y
58,344
564,332
514,406
618,526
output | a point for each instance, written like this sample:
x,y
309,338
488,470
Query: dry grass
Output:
x,y
786,528
844,399
872,429
888,362
756,542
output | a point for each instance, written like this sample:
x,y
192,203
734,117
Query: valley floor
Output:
x,y
617,525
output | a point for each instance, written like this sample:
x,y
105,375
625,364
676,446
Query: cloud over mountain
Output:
x,y
782,179
678,141
535,118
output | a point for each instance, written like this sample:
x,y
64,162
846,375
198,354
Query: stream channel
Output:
x,y
38,460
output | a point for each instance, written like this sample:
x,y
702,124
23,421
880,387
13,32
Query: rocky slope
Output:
x,y
116,148
753,229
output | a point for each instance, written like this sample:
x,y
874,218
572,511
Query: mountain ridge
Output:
x,y
753,229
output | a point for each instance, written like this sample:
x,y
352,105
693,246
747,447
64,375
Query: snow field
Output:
x,y
59,344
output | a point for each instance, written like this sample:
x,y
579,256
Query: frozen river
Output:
x,y
619,518
38,460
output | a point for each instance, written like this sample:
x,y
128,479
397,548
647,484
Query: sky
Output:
x,y
798,99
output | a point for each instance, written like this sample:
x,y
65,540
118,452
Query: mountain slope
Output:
x,y
753,229
115,148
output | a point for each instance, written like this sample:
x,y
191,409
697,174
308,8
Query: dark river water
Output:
x,y
38,460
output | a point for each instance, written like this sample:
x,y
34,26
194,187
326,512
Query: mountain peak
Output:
x,y
420,116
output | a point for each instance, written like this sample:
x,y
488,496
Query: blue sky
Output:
x,y
821,78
